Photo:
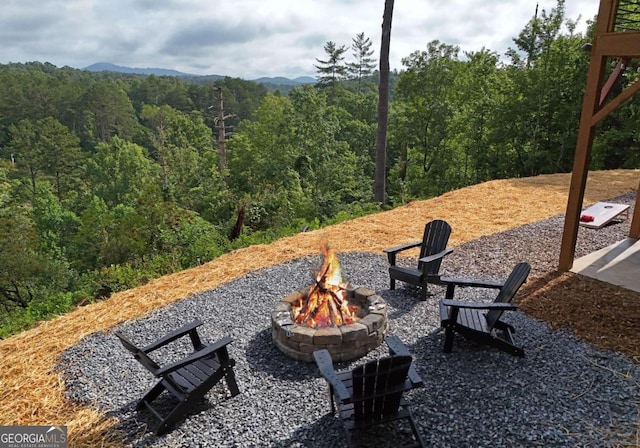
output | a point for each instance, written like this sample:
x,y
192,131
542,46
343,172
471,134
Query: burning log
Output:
x,y
325,304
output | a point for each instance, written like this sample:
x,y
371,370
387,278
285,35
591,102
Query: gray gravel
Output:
x,y
564,393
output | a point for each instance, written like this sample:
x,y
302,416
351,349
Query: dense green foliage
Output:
x,y
109,180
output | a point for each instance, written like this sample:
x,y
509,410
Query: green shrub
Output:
x,y
114,278
38,310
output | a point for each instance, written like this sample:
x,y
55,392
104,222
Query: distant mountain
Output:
x,y
108,67
306,80
286,81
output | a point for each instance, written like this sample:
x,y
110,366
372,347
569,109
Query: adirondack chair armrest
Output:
x,y
471,283
452,282
393,251
220,344
176,334
505,306
434,257
402,247
325,366
397,347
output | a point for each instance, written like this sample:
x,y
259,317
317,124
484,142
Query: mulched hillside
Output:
x,y
32,392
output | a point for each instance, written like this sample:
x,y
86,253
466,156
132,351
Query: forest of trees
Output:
x,y
109,180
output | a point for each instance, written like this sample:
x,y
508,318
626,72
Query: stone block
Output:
x,y
353,331
353,353
310,348
373,321
279,316
281,337
375,338
282,307
376,304
295,354
363,293
327,336
303,334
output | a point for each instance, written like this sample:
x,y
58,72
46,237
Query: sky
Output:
x,y
253,38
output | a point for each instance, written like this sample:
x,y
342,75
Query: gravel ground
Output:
x,y
563,393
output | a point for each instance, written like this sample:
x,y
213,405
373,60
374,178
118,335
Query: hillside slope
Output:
x,y
32,392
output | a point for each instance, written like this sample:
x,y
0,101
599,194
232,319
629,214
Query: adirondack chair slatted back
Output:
x,y
515,280
138,354
435,239
378,387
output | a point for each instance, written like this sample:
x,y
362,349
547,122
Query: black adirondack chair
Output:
x,y
433,248
481,322
372,393
188,379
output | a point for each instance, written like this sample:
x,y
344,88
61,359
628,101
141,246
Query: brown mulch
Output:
x,y
32,392
600,313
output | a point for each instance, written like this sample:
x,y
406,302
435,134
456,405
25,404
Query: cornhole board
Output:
x,y
603,213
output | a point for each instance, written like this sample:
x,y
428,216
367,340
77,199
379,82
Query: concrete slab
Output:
x,y
618,264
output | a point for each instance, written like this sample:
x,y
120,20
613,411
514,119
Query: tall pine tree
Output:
x,y
364,64
333,69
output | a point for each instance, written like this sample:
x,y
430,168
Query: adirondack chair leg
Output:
x,y
333,406
348,440
500,325
507,347
516,351
416,433
177,414
393,283
424,293
229,376
230,379
153,393
448,339
507,344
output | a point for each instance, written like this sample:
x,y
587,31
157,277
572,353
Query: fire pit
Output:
x,y
348,321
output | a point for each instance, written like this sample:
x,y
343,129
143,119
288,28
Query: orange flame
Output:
x,y
325,304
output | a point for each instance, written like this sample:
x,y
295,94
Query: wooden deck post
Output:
x,y
607,43
634,230
590,105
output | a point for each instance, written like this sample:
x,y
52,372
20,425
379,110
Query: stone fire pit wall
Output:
x,y
346,342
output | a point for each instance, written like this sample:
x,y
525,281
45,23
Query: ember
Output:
x,y
325,304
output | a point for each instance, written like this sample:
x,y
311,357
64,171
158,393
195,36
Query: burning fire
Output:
x,y
325,304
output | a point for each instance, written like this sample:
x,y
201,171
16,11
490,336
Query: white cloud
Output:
x,y
250,38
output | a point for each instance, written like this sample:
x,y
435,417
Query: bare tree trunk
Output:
x,y
379,185
221,137
237,228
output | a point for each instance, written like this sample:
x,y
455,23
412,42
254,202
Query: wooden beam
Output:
x,y
606,19
634,230
619,45
590,105
615,75
606,44
581,164
612,105
610,8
